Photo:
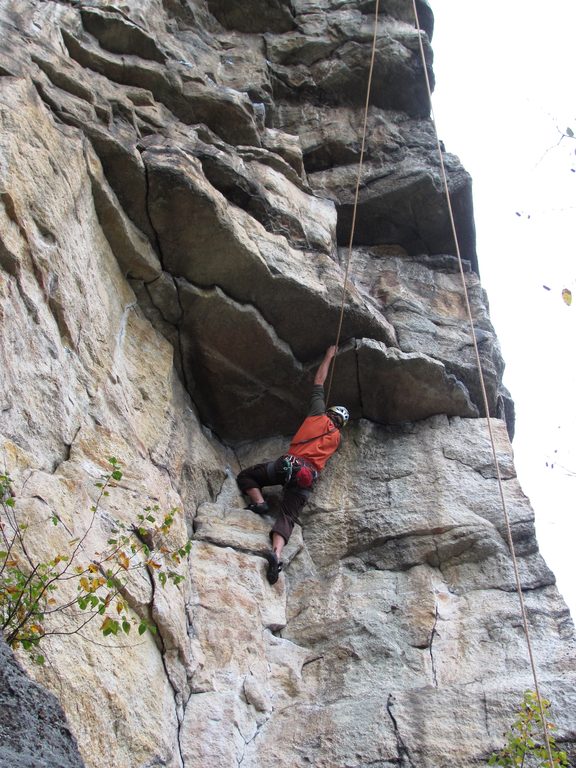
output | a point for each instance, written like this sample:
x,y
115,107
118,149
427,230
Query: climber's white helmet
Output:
x,y
340,412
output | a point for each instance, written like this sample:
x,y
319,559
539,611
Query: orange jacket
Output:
x,y
315,441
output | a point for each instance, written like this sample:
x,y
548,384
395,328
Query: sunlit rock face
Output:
x,y
176,181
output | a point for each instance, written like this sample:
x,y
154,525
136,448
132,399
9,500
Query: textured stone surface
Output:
x,y
241,186
33,728
424,300
175,191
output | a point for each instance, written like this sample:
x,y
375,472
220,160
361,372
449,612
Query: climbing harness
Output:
x,y
297,471
292,471
484,397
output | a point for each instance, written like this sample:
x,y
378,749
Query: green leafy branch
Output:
x,y
31,591
524,746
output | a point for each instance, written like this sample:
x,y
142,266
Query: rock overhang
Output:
x,y
270,269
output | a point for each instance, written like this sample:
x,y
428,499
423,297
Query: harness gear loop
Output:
x,y
292,471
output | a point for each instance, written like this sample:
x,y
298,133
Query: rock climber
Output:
x,y
311,447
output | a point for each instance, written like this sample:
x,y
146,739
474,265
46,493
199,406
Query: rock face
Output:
x,y
33,727
176,181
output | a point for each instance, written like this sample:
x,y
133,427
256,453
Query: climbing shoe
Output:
x,y
274,567
260,509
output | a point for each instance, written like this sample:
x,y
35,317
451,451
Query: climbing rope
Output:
x,y
484,398
471,323
356,195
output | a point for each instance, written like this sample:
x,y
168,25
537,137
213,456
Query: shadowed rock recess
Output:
x,y
176,189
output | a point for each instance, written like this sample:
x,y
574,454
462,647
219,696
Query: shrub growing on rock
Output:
x,y
35,596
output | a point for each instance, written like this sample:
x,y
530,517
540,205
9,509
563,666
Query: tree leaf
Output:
x,y
567,296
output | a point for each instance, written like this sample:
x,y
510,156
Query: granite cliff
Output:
x,y
176,180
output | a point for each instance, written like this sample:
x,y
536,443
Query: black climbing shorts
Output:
x,y
292,499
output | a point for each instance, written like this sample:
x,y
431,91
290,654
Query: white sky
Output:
x,y
505,73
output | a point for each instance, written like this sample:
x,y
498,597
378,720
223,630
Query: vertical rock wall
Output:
x,y
176,181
